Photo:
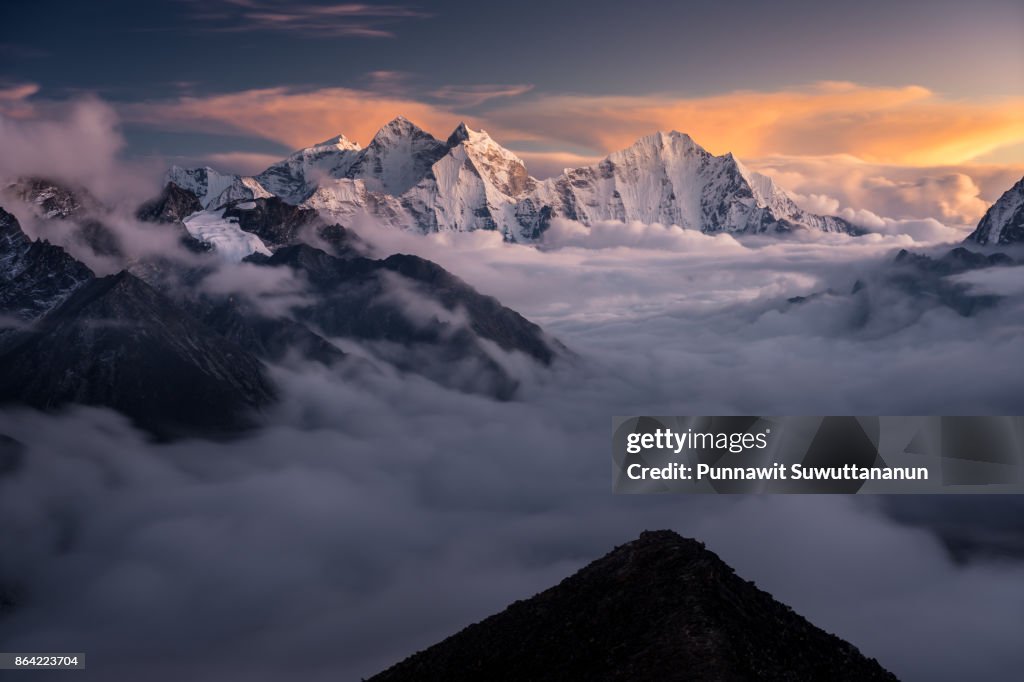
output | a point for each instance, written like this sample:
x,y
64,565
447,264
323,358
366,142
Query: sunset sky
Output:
x,y
911,108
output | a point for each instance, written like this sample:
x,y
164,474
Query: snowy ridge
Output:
x,y
291,178
215,189
409,179
1003,223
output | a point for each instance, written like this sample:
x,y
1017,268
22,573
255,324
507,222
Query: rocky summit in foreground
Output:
x,y
659,608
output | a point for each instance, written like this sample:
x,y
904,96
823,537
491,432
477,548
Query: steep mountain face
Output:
x,y
399,155
275,222
1003,223
667,178
214,189
293,178
406,178
172,207
472,187
35,276
659,608
118,343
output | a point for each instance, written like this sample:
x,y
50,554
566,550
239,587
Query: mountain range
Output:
x,y
407,178
84,322
155,341
661,607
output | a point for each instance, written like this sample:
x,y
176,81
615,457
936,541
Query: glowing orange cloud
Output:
x,y
906,125
294,118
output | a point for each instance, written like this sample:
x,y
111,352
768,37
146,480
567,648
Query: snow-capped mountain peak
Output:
x,y
408,178
397,129
399,156
668,178
462,133
503,170
341,143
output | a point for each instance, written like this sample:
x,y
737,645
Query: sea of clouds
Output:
x,y
378,512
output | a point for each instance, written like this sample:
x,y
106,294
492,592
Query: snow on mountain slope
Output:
x,y
229,241
348,201
408,179
473,187
1003,223
667,178
398,157
296,176
783,206
215,189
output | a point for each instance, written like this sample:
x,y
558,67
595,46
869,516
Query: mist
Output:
x,y
378,512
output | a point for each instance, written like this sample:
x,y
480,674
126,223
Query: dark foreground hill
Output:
x,y
659,608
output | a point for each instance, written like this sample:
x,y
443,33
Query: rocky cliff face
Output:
x,y
35,276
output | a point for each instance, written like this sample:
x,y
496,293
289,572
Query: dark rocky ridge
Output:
x,y
659,608
171,207
907,287
174,204
275,222
279,224
269,338
116,342
357,298
34,275
926,278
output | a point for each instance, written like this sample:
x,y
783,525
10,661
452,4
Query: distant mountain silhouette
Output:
x,y
659,608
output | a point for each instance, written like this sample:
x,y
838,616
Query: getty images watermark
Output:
x,y
836,454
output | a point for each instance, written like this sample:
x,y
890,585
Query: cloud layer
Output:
x,y
954,195
379,513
